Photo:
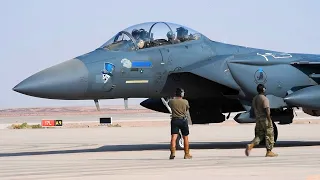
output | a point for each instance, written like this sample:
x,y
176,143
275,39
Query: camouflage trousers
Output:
x,y
264,130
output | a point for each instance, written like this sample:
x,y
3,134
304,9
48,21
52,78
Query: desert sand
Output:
x,y
142,153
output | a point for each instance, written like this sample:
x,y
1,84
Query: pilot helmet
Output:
x,y
170,35
135,33
143,33
181,31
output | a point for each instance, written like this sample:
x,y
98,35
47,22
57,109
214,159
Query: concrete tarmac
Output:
x,y
142,153
7,121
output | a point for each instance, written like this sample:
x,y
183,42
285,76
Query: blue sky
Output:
x,y
36,34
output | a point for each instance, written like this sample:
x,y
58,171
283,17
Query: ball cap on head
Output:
x,y
261,88
179,92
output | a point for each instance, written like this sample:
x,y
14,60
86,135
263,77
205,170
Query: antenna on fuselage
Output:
x,y
126,103
96,102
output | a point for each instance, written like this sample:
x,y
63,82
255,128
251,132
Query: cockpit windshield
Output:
x,y
150,34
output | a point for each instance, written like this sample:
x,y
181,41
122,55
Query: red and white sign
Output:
x,y
47,123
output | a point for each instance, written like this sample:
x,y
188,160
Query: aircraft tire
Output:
x,y
179,142
275,133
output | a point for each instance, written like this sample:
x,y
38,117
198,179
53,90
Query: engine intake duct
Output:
x,y
202,111
308,97
154,104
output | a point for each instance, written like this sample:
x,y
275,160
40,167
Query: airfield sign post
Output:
x,y
105,121
51,123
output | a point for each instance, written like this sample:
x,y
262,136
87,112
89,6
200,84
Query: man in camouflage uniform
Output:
x,y
264,127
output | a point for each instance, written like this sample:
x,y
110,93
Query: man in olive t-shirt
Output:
x,y
264,127
179,121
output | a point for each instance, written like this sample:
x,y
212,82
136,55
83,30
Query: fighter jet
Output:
x,y
150,60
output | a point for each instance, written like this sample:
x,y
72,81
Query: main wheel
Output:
x,y
275,134
179,142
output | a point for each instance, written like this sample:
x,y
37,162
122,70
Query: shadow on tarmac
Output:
x,y
164,146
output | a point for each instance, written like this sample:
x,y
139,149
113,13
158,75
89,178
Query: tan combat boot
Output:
x,y
187,154
173,153
271,154
248,149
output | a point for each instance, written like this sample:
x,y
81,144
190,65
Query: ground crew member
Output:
x,y
179,115
264,127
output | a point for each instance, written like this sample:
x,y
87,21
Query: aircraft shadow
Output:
x,y
164,146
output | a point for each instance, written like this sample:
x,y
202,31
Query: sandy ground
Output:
x,y
139,149
124,118
142,153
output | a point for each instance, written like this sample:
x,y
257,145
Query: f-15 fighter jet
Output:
x,y
150,60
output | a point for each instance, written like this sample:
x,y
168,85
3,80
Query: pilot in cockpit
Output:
x,y
171,38
135,34
143,34
182,34
139,39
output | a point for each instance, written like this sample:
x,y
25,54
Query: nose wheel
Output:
x,y
179,142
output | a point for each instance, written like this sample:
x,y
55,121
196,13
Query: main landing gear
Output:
x,y
179,142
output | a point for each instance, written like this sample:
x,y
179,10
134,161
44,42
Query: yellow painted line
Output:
x,y
137,81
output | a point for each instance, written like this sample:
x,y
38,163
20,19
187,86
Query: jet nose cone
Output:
x,y
67,80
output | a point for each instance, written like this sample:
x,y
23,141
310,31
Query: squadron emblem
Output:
x,y
260,77
107,72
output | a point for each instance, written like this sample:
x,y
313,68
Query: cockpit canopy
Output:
x,y
150,34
